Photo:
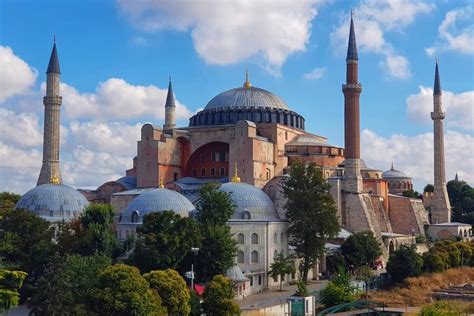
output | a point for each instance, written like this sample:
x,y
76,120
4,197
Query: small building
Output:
x,y
450,230
398,182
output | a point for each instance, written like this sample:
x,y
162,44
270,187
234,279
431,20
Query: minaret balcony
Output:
x,y
438,115
352,86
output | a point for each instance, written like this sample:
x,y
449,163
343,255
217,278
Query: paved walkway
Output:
x,y
273,297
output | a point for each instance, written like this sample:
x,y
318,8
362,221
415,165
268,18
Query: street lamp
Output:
x,y
195,251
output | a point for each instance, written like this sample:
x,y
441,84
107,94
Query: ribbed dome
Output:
x,y
157,200
246,97
53,202
393,173
251,202
235,274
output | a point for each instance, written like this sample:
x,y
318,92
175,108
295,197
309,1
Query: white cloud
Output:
x,y
458,107
316,73
20,130
456,32
373,18
16,77
414,155
117,99
227,32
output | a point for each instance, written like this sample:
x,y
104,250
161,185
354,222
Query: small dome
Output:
x,y
251,202
235,274
53,202
246,97
393,173
156,200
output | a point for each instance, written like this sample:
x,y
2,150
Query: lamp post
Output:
x,y
195,251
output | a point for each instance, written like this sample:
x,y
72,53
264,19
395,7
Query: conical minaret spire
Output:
x,y
441,207
352,90
50,171
170,109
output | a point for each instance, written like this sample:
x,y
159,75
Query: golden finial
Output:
x,y
55,179
235,178
247,82
161,185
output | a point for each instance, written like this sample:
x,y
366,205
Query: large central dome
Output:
x,y
246,97
246,103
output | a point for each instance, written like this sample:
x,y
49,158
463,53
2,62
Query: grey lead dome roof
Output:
x,y
393,173
246,97
53,202
251,202
157,200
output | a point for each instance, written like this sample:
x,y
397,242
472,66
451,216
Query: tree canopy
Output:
x,y
10,284
123,291
404,262
164,240
172,289
214,207
361,249
280,267
218,297
311,213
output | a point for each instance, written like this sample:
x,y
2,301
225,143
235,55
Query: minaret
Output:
x,y
50,171
352,89
170,110
441,208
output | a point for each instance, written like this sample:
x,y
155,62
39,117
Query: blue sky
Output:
x,y
206,45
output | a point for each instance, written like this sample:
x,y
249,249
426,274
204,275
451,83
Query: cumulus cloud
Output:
x,y
230,31
16,77
373,18
29,134
456,32
117,99
458,107
414,154
315,74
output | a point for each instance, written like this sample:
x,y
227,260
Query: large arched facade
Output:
x,y
209,161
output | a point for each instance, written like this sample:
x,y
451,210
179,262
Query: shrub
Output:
x,y
404,262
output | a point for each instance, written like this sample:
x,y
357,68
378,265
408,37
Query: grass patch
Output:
x,y
417,291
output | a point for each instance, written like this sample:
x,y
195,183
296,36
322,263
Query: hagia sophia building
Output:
x,y
246,139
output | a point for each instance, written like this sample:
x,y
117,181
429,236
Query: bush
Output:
x,y
338,291
404,262
447,308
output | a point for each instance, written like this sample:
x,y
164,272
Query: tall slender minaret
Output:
x,y
50,171
352,89
441,208
170,109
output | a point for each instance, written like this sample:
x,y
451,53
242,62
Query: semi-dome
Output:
x,y
244,97
53,202
157,200
251,202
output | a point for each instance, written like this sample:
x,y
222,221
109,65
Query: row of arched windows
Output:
x,y
212,172
253,239
253,257
282,237
400,185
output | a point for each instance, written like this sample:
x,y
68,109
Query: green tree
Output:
x,y
218,297
217,252
445,308
433,262
311,213
461,197
338,291
361,249
281,266
195,304
214,207
8,201
123,291
335,262
218,249
404,262
26,243
412,194
428,188
172,289
164,241
10,284
68,285
91,234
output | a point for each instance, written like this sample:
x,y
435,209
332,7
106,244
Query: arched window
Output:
x,y
254,239
282,237
240,239
135,217
203,171
275,238
268,174
246,215
275,254
213,171
254,257
240,257
222,171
